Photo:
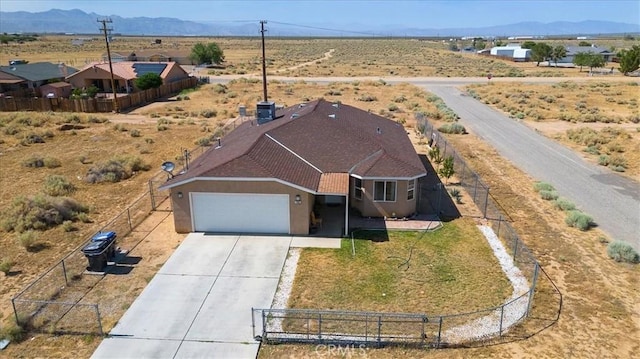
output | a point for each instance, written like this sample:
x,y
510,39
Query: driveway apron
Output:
x,y
199,304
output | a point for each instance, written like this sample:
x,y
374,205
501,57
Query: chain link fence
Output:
x,y
53,302
424,330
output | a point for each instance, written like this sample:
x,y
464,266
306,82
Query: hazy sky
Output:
x,y
335,13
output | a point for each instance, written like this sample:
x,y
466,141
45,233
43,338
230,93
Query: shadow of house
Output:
x,y
433,196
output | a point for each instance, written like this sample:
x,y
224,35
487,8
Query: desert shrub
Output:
x,y
56,185
543,186
622,252
135,133
399,99
40,212
162,127
204,141
5,265
455,193
564,204
32,138
116,169
367,98
38,162
577,219
548,195
220,88
68,226
94,119
209,113
51,162
28,239
13,332
120,127
393,107
604,160
149,141
618,161
452,128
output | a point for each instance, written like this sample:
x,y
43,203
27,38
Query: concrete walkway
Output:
x,y
199,304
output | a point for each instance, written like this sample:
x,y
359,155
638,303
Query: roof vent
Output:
x,y
302,105
295,115
378,130
333,115
219,143
335,105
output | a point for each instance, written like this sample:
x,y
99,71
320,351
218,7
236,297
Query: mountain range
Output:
x,y
79,22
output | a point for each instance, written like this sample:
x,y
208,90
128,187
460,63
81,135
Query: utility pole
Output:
x,y
105,30
264,63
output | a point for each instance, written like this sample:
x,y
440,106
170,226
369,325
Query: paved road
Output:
x,y
612,200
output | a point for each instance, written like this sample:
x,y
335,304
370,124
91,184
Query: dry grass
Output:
x,y
595,118
449,271
350,57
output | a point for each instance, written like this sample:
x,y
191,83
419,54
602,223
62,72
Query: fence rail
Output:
x,y
125,101
421,330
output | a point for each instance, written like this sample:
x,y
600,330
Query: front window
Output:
x,y
384,191
411,189
357,188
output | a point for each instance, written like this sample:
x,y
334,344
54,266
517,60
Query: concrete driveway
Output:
x,y
199,304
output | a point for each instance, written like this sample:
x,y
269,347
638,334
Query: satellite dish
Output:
x,y
168,167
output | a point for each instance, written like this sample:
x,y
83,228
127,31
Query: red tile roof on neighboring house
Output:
x,y
125,70
315,146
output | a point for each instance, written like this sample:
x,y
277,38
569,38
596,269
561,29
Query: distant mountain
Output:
x,y
80,22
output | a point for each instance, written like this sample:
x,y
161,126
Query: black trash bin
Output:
x,y
109,237
97,253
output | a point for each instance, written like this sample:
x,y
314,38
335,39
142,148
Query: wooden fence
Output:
x,y
125,101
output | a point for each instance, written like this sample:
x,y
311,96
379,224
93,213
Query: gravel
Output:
x,y
281,298
515,307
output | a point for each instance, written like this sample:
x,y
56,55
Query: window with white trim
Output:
x,y
384,191
357,188
411,185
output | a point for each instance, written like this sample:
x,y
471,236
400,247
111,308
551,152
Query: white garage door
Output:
x,y
240,212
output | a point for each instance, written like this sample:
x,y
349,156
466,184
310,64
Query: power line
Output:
x,y
325,29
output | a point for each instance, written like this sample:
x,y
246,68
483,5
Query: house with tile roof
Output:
x,y
269,177
124,73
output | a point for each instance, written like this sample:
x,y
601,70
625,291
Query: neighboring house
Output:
x,y
269,177
11,83
573,50
513,51
56,90
155,55
115,57
38,73
124,74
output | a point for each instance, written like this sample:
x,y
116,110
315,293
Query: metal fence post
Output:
x,y
64,272
15,311
99,320
499,223
515,248
264,326
536,270
439,333
319,326
153,200
475,189
501,318
129,220
486,202
253,323
379,330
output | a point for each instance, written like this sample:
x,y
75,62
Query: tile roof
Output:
x,y
315,146
38,71
126,70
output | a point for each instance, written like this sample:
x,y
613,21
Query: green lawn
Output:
x,y
449,271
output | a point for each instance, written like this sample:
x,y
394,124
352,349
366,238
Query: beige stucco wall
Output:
x,y
176,73
298,213
370,208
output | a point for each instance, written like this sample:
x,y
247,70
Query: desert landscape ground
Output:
x,y
600,315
